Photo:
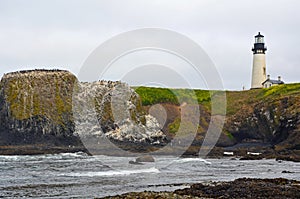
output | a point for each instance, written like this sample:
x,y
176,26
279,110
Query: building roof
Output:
x,y
273,81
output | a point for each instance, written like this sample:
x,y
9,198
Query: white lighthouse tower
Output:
x,y
259,62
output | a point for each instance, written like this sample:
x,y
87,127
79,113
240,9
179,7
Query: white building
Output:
x,y
270,82
259,62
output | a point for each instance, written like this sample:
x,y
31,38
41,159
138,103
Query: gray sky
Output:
x,y
62,33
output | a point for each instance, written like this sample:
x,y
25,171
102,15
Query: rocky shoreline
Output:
x,y
39,149
239,188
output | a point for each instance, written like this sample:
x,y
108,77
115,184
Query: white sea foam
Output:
x,y
113,173
43,157
184,160
10,157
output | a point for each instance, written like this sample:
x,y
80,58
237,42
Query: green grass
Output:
x,y
284,89
150,95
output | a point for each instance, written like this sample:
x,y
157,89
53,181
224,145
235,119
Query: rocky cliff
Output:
x,y
35,109
47,111
269,118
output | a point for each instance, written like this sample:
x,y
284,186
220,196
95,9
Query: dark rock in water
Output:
x,y
287,171
134,162
252,157
145,158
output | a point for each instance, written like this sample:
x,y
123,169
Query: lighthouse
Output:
x,y
259,62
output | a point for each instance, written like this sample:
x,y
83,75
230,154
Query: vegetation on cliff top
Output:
x,y
151,95
235,99
39,93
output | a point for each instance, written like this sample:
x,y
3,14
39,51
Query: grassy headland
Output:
x,y
269,116
235,99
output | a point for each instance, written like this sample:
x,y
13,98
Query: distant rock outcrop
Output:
x,y
51,109
35,109
112,111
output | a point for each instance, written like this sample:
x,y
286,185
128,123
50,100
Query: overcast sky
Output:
x,y
63,33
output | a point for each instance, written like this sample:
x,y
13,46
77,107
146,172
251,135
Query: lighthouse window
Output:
x,y
259,40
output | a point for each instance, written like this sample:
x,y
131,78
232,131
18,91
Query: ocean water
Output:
x,y
77,175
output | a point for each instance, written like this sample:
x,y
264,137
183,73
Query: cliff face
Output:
x,y
36,108
111,112
51,109
269,116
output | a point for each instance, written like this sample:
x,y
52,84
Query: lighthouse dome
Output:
x,y
259,35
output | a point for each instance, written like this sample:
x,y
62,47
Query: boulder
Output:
x,y
145,158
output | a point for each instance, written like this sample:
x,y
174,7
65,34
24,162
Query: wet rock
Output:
x,y
278,188
246,188
145,158
135,163
287,171
150,195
